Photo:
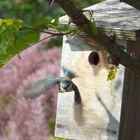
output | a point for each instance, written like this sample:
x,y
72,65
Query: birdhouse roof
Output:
x,y
113,15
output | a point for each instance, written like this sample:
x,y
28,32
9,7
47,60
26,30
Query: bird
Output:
x,y
65,84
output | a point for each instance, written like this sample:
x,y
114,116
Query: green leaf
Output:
x,y
42,22
57,41
7,38
12,23
23,40
73,31
112,73
4,58
55,22
93,28
13,40
62,29
57,139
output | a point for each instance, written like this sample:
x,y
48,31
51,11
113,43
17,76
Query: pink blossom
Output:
x,y
22,119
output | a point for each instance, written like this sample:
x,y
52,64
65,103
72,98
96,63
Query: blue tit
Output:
x,y
65,84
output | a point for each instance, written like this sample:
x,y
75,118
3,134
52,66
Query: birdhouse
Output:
x,y
107,110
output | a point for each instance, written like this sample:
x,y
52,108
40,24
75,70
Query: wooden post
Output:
x,y
130,114
130,126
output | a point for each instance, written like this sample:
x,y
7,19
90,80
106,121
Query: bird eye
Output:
x,y
66,82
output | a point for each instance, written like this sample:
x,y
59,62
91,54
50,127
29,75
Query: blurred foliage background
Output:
x,y
34,11
21,119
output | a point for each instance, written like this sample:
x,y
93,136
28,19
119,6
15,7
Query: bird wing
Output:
x,y
40,86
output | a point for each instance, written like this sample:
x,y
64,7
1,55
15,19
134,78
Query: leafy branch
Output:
x,y
15,35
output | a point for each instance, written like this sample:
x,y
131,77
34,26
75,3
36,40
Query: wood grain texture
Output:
x,y
113,15
94,118
130,114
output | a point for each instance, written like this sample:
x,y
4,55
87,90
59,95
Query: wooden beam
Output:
x,y
134,3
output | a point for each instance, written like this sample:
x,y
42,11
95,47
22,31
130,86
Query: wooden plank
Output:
x,y
94,118
112,15
135,3
130,126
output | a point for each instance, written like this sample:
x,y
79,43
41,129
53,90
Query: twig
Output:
x,y
43,31
52,2
41,40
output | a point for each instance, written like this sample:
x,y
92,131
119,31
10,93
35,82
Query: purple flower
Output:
x,y
20,118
